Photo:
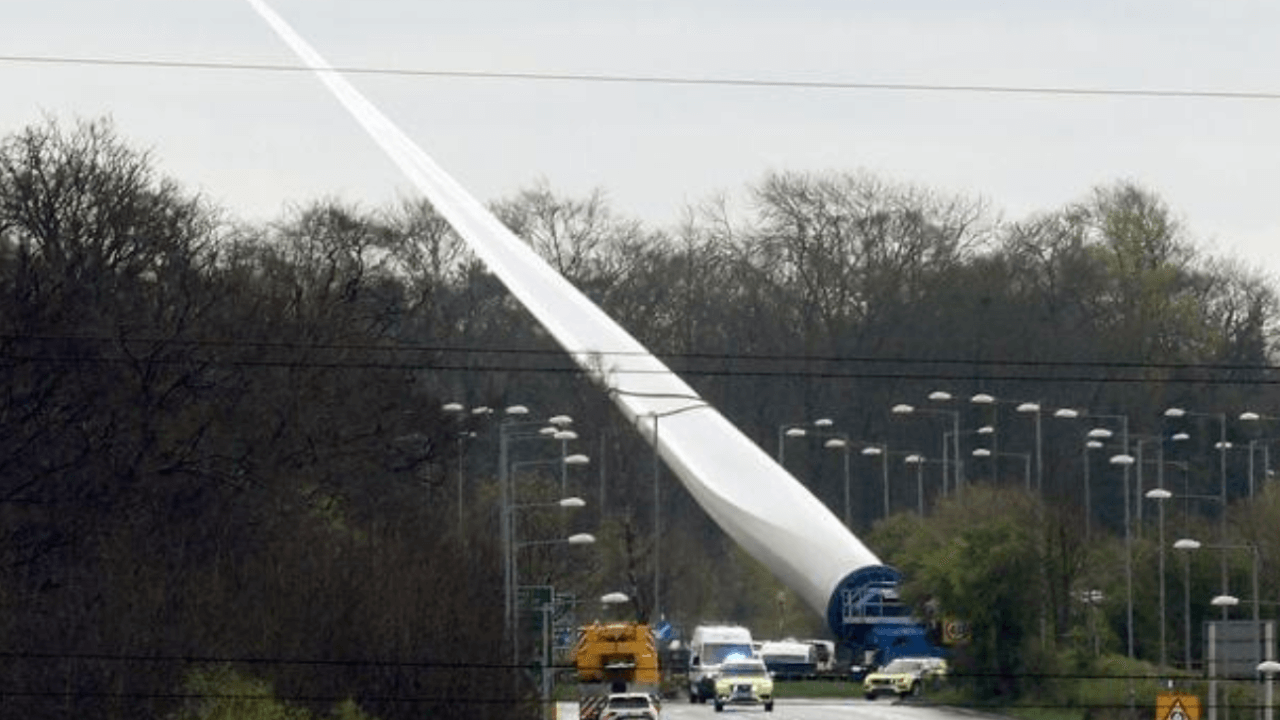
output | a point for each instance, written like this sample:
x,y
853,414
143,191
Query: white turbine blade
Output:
x,y
751,497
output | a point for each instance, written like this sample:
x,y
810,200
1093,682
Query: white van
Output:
x,y
710,647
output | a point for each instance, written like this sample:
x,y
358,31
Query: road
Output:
x,y
787,709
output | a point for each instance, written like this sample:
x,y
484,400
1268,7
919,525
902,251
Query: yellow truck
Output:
x,y
612,658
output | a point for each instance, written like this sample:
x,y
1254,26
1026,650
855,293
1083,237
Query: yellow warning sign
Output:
x,y
1177,706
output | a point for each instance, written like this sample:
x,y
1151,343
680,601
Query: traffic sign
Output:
x,y
1177,706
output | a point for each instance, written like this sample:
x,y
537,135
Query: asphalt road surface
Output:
x,y
789,709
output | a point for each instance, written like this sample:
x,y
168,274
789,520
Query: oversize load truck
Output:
x,y
614,657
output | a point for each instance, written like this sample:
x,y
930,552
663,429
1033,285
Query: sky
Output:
x,y
261,142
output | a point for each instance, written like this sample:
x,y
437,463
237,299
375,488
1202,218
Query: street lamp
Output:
x,y
794,430
657,471
1253,417
1026,463
906,409
1222,446
512,428
883,453
564,436
958,469
513,551
919,461
1269,668
989,400
1160,495
1187,546
833,440
1095,441
1033,407
842,444
1125,461
461,436
1226,600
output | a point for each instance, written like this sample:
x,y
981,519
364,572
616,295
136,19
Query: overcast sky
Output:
x,y
258,141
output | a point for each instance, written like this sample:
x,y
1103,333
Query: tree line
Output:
x,y
224,457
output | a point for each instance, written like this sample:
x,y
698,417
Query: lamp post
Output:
x,y
1123,420
573,502
918,461
882,452
1026,408
561,423
1026,463
906,409
1160,495
1125,461
1096,436
1222,446
957,469
461,436
1253,417
791,430
508,430
1269,668
989,400
657,472
1225,600
511,429
575,539
833,440
842,444
1034,408
1186,545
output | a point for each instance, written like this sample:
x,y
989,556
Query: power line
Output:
x,y
673,80
560,354
960,374
404,366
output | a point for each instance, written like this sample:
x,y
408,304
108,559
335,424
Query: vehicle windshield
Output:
x,y
902,666
628,702
739,669
718,653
